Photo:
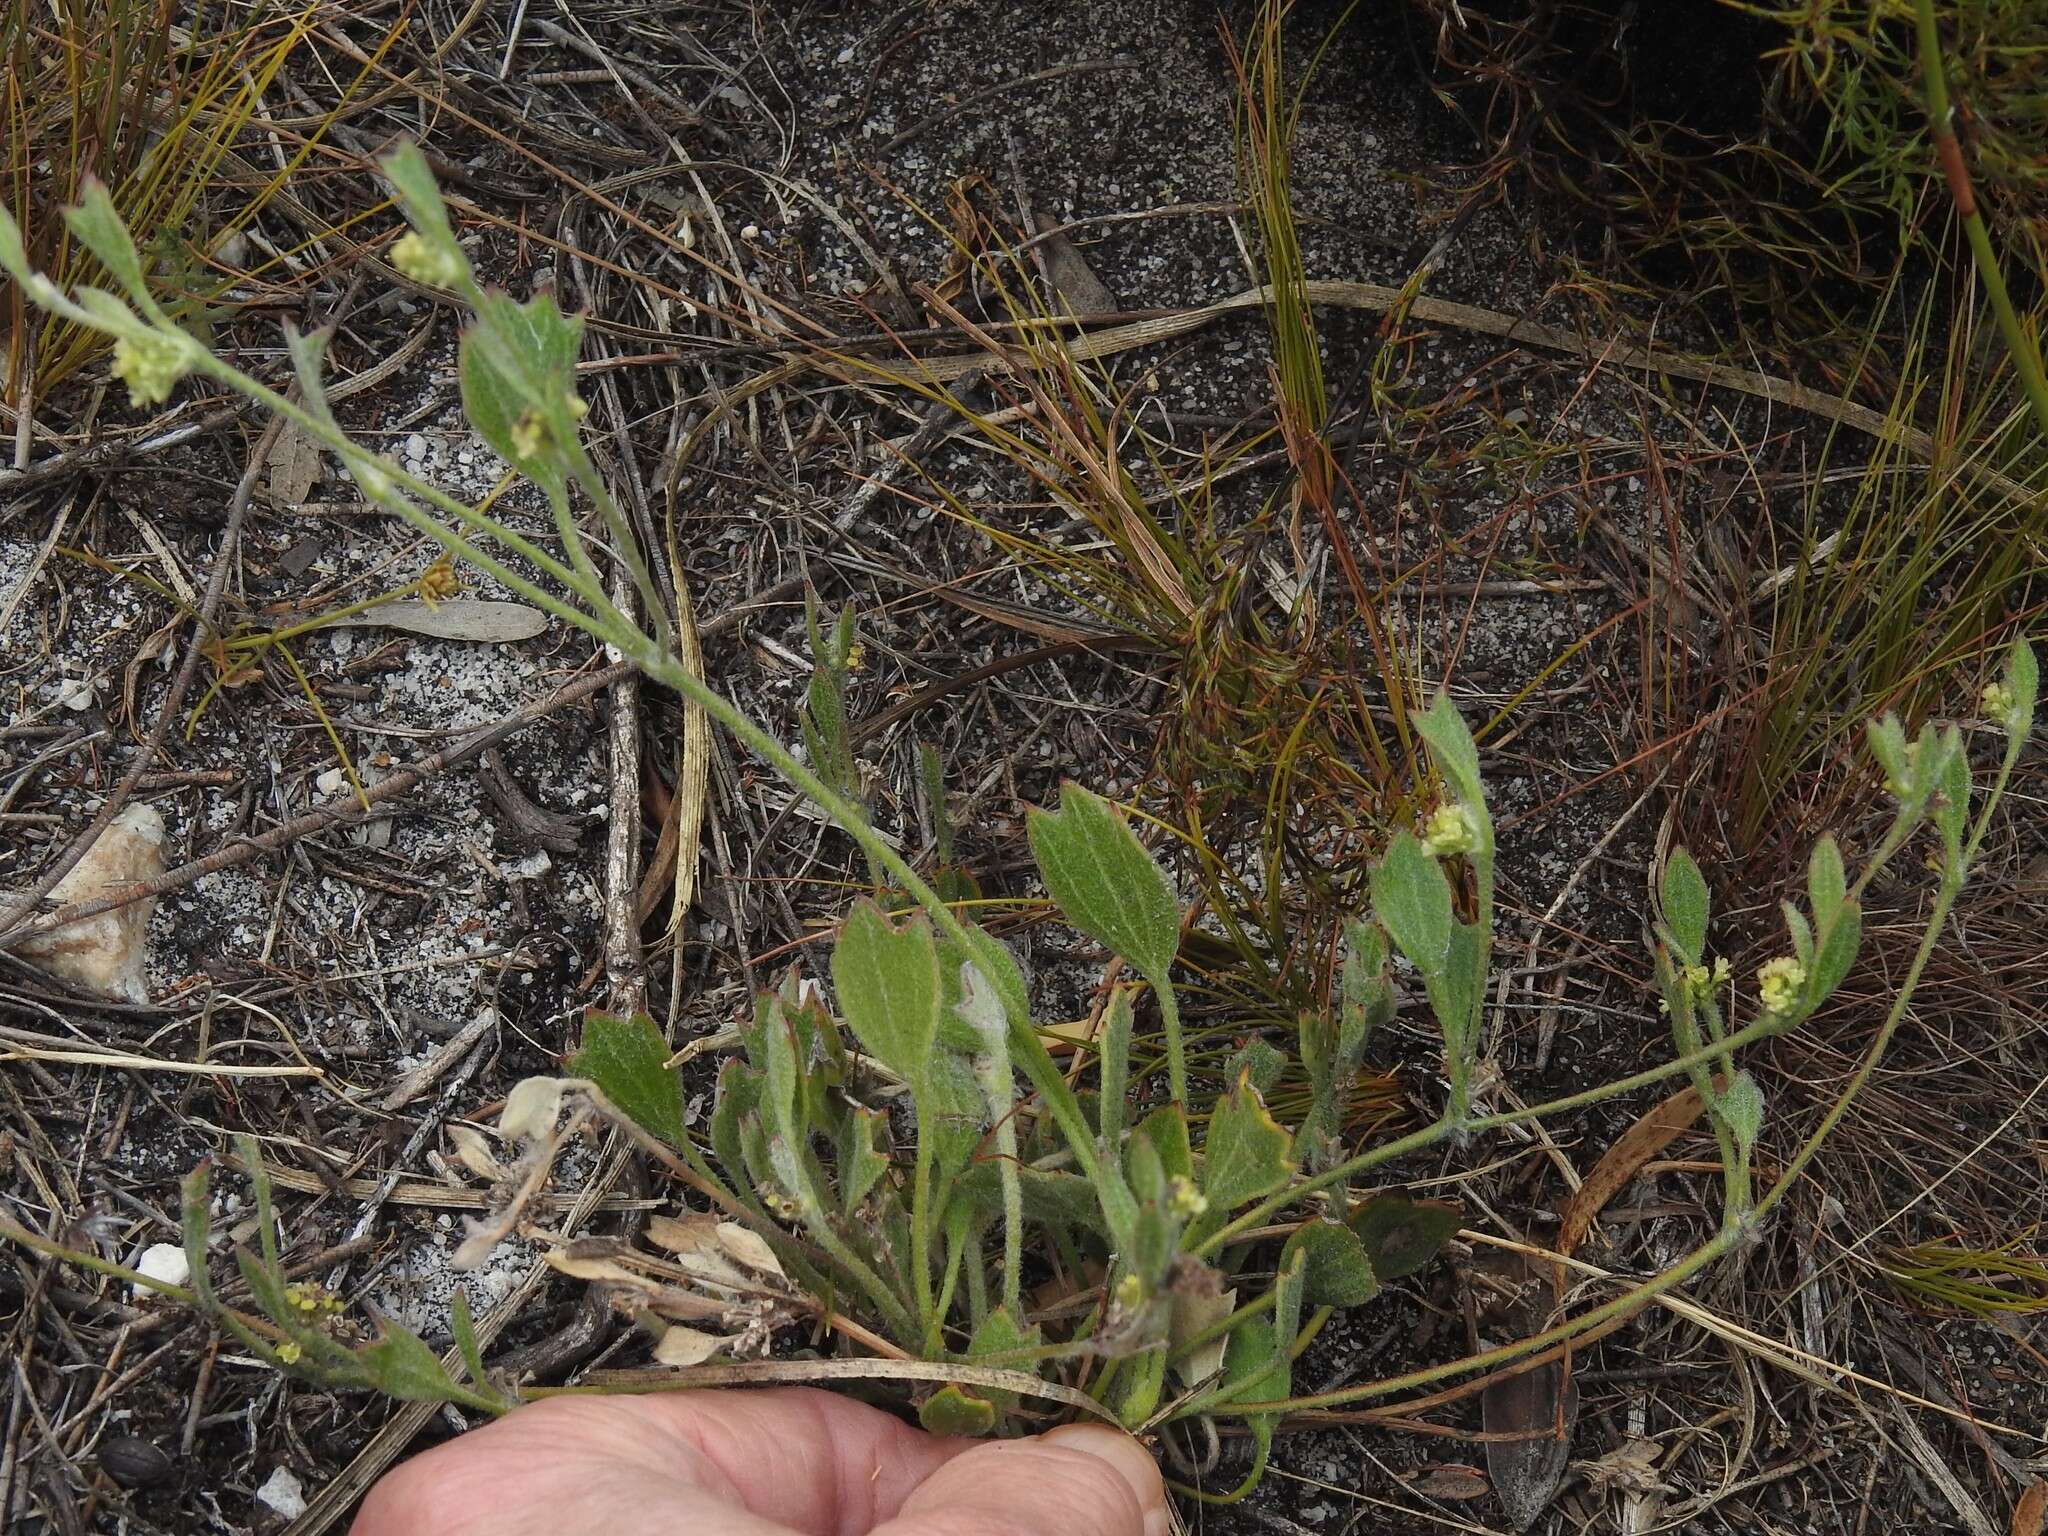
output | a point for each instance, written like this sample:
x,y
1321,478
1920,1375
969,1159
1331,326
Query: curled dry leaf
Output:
x,y
687,1346
1453,1482
1659,1126
1199,1304
473,1151
722,1283
2031,1511
727,1251
531,1109
750,1248
1509,1297
693,1239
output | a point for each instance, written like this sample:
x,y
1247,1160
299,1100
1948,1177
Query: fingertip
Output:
x,y
1130,1460
1080,1480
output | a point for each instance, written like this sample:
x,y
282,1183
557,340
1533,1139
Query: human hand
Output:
x,y
769,1462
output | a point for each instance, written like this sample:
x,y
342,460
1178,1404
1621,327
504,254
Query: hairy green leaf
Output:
x,y
1952,807
1800,932
463,1326
888,983
1253,1356
1336,1272
862,1154
2023,677
403,1367
517,368
1367,997
98,227
1827,883
998,1334
13,254
952,1111
1456,991
1245,1156
1682,893
1837,955
1741,1105
1104,881
1260,1061
953,1412
1167,1129
1401,1235
413,180
628,1060
739,1095
1412,901
1450,744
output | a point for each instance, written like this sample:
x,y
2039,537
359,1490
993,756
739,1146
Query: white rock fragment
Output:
x,y
77,693
165,1262
107,953
282,1492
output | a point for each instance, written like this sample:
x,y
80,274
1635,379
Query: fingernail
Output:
x,y
1133,1463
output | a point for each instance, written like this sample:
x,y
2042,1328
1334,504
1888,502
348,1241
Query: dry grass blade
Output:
x,y
1614,354
803,1372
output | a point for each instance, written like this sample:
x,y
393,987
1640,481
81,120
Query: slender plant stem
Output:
x,y
920,1233
1948,150
1176,1051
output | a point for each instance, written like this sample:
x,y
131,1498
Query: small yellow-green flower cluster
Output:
x,y
1700,982
313,1302
1778,983
150,366
289,1352
1183,1199
1130,1292
1452,829
2000,707
426,261
439,582
529,433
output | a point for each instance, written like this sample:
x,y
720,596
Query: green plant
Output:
x,y
1155,1221
1886,587
299,1327
1855,64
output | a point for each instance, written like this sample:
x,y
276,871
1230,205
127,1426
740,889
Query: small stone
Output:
x,y
107,953
416,447
165,1262
282,1492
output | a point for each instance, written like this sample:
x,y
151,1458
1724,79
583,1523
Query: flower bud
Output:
x,y
426,261
150,366
1778,983
2001,708
1452,829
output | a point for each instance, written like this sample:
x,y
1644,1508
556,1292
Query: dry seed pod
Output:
x,y
133,1462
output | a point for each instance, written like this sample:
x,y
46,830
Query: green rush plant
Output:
x,y
150,98
879,1168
